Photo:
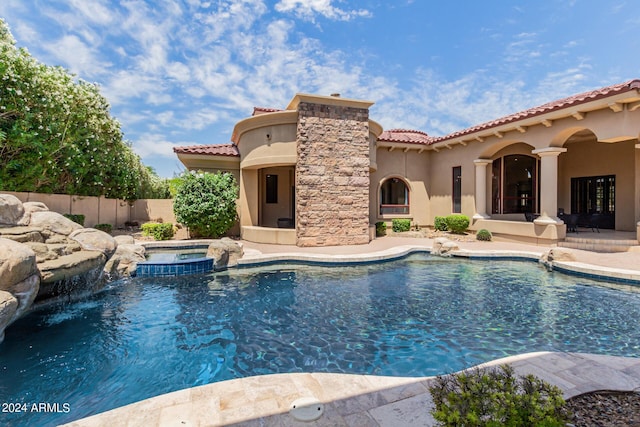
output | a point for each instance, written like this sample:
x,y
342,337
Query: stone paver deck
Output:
x,y
362,400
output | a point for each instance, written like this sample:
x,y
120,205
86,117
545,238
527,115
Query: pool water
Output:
x,y
418,316
168,256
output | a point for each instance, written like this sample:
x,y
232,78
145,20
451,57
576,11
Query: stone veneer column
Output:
x,y
481,188
548,184
332,174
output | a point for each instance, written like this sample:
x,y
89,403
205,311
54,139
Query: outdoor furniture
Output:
x,y
572,222
530,216
594,221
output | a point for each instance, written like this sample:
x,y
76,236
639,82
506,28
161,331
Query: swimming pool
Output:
x,y
418,316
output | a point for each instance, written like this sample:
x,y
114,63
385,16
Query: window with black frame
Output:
x,y
394,197
515,184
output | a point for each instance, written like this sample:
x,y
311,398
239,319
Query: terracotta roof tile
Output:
x,y
211,150
578,99
407,136
263,110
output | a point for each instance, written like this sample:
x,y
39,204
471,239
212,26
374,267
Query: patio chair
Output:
x,y
572,222
594,221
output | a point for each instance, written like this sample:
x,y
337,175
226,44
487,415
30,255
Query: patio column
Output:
x,y
549,184
481,188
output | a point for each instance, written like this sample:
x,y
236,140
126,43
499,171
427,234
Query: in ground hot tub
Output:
x,y
175,261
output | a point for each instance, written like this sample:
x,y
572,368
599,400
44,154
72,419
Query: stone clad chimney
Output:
x,y
332,171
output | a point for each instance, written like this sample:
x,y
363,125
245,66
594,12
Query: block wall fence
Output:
x,y
100,210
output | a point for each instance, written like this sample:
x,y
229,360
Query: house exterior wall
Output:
x,y
332,175
340,165
441,180
592,158
271,145
413,169
271,212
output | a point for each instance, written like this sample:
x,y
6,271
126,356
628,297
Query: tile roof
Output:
x,y
263,110
578,99
229,150
407,136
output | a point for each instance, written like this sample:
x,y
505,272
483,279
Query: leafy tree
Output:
x,y
206,203
57,134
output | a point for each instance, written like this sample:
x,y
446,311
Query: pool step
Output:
x,y
599,245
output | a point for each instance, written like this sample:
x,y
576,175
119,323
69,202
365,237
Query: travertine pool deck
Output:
x,y
362,400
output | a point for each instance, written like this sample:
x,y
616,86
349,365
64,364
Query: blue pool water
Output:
x,y
174,256
418,316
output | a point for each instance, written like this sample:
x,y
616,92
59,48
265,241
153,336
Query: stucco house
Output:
x,y
320,172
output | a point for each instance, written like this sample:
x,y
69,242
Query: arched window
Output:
x,y
515,184
394,197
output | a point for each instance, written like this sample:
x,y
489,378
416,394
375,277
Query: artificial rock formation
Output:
x,y
124,261
44,254
443,246
225,253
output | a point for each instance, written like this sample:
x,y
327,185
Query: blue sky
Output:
x,y
182,72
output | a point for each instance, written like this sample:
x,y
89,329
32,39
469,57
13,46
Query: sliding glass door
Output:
x,y
595,195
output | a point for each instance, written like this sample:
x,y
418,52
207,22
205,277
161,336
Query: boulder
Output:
x,y
443,246
448,247
124,239
95,240
25,292
235,250
11,210
30,207
53,223
42,251
17,263
437,245
8,307
124,261
225,253
220,254
68,266
557,254
22,234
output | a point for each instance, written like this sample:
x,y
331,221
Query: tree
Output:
x,y
206,203
57,134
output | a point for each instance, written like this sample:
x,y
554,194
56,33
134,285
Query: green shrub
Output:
x,y
381,228
159,231
77,218
484,235
457,223
206,203
400,224
440,223
496,397
103,227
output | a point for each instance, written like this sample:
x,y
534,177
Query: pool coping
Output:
x,y
353,400
254,259
356,400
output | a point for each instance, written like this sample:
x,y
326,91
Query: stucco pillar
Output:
x,y
549,184
481,188
637,206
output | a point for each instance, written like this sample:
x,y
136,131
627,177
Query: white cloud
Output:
x,y
94,11
77,56
308,9
151,144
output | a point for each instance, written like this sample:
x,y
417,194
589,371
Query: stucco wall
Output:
x,y
271,145
441,166
591,158
414,170
270,212
97,210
